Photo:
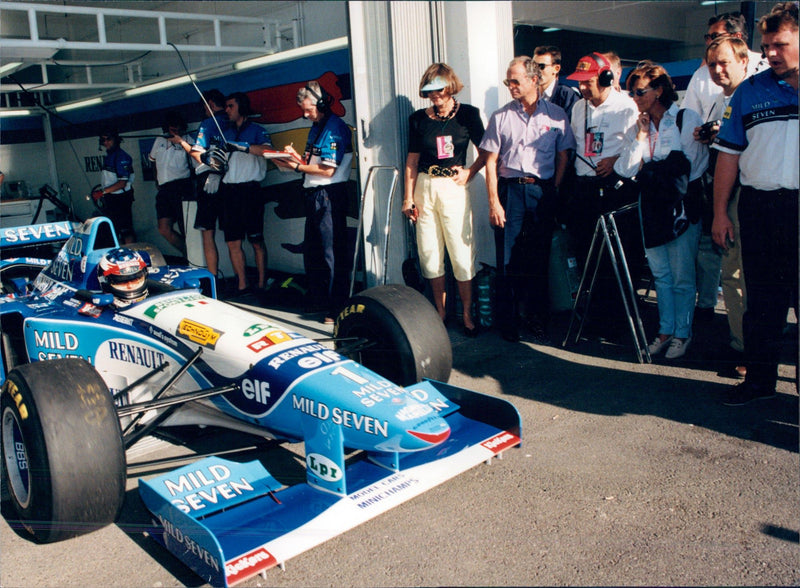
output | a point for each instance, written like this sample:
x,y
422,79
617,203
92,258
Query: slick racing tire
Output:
x,y
409,341
62,449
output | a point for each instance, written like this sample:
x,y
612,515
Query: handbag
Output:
x,y
412,274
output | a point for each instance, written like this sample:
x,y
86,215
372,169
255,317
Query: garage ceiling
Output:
x,y
60,52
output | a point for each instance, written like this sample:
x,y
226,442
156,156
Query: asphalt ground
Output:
x,y
629,474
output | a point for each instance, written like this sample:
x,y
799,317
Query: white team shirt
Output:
x,y
172,162
613,118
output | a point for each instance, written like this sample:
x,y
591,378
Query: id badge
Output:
x,y
593,144
444,146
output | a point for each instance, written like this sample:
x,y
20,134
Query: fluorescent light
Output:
x,y
290,54
9,66
16,112
160,85
550,30
80,104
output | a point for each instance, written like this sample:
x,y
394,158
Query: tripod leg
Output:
x,y
641,340
584,297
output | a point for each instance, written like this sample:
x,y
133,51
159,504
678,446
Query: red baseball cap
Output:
x,y
588,67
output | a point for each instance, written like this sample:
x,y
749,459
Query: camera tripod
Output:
x,y
606,238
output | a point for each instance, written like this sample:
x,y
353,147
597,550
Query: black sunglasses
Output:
x,y
639,92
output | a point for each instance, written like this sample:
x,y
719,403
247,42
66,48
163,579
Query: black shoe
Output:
x,y
743,393
704,315
538,334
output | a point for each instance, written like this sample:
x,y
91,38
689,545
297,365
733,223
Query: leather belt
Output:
x,y
439,171
523,180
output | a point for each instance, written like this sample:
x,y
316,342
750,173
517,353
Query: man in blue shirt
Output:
x,y
208,179
759,139
117,186
527,143
240,191
326,165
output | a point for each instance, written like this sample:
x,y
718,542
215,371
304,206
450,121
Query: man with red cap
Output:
x,y
599,123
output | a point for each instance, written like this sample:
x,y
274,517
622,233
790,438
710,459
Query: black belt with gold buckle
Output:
x,y
439,171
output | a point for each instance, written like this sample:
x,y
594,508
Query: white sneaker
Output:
x,y
677,348
657,346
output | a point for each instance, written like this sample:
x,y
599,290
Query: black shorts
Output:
x,y
170,197
209,207
118,207
242,211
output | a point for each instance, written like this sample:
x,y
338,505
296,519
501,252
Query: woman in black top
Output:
x,y
436,197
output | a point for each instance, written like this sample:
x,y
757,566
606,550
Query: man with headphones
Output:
x,y
599,123
240,190
325,166
117,185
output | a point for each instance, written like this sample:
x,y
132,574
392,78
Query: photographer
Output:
x,y
727,59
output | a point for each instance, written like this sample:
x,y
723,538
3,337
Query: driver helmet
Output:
x,y
123,273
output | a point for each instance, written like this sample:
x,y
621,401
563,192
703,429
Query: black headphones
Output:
x,y
323,98
605,77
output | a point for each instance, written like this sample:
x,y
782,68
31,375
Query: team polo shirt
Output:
x,y
607,123
661,141
528,144
246,167
760,125
170,159
208,131
330,142
117,165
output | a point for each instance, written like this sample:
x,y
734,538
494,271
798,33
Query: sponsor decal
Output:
x,y
339,416
412,412
34,233
12,389
271,338
190,544
162,336
153,310
199,333
120,318
501,442
256,390
371,495
56,345
254,329
249,564
315,354
323,468
348,310
90,309
135,354
213,485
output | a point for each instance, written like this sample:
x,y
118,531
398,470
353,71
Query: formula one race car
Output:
x,y
90,365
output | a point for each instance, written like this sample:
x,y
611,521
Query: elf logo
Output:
x,y
256,390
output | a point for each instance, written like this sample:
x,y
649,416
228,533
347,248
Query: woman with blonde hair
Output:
x,y
436,197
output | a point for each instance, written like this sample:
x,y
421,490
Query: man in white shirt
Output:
x,y
599,123
173,176
701,91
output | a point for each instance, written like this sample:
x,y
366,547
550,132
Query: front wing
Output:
x,y
229,521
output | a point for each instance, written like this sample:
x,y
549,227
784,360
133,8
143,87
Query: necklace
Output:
x,y
449,115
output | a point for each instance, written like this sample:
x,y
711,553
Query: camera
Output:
x,y
708,130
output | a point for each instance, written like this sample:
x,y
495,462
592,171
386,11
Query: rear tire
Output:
x,y
410,341
62,449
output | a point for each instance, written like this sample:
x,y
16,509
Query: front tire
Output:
x,y
61,448
409,339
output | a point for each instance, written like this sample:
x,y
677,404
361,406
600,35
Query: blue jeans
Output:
x,y
673,268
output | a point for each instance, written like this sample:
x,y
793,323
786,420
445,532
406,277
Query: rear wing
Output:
x,y
27,235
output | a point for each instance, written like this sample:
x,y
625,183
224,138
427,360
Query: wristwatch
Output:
x,y
297,168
